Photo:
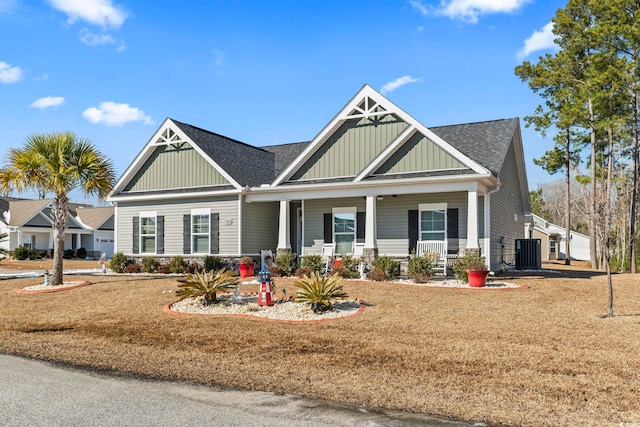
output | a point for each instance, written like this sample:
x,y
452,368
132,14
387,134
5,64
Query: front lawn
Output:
x,y
537,356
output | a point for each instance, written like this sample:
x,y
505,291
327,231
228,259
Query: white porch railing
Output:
x,y
439,247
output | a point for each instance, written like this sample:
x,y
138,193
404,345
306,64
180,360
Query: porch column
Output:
x,y
370,237
284,227
19,238
487,229
78,241
50,240
472,220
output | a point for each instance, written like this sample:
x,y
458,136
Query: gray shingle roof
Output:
x,y
286,154
246,164
485,142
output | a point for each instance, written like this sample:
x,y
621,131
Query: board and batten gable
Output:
x,y
173,211
419,154
507,212
188,170
351,148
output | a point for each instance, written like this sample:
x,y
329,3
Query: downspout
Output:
x,y
487,224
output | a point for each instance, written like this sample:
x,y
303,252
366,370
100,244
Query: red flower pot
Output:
x,y
246,270
477,278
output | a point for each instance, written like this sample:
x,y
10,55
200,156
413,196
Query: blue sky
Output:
x,y
262,72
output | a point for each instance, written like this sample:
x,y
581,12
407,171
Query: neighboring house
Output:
x,y
553,240
373,175
29,223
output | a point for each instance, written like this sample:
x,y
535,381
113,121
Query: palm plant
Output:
x,y
3,237
58,163
207,284
319,291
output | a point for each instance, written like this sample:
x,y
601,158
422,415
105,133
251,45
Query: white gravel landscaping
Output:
x,y
247,305
43,287
455,283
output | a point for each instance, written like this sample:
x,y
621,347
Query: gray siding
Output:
x,y
259,227
173,212
351,148
175,167
506,203
419,154
393,221
108,224
38,221
313,224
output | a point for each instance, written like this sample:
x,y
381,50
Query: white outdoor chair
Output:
x,y
328,250
439,247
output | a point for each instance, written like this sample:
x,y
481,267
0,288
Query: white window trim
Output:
x,y
431,207
344,210
200,211
154,215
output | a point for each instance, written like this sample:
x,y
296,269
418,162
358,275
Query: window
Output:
x,y
200,231
433,221
552,246
344,229
148,223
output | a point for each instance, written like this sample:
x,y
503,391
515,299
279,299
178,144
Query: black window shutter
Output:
x,y
361,218
135,247
186,234
328,228
214,230
413,230
160,235
452,223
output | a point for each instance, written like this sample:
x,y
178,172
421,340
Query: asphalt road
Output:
x,y
34,393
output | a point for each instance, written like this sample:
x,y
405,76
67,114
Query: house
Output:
x,y
373,176
29,223
553,240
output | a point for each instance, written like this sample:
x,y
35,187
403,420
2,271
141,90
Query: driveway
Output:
x,y
35,393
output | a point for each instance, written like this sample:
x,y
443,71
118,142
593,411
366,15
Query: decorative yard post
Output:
x,y
265,295
46,278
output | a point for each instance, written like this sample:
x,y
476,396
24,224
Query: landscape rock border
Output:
x,y
53,288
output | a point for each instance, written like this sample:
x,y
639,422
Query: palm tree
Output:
x,y
3,237
58,163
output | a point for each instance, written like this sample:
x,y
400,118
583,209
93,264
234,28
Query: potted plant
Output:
x,y
245,266
472,262
477,274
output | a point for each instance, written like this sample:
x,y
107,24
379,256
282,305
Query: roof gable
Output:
x,y
368,109
22,211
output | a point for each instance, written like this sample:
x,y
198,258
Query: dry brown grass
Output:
x,y
540,356
45,264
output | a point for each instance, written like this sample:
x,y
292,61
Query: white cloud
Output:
x,y
417,5
391,86
115,114
9,74
43,77
219,58
92,39
48,101
97,12
540,40
470,10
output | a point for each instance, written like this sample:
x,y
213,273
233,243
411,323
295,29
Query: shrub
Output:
x,y
192,267
118,262
212,263
287,262
274,270
177,264
421,268
150,264
82,253
303,271
388,265
246,260
319,291
314,262
21,253
349,267
207,285
342,272
133,268
471,258
40,254
68,253
164,269
377,276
